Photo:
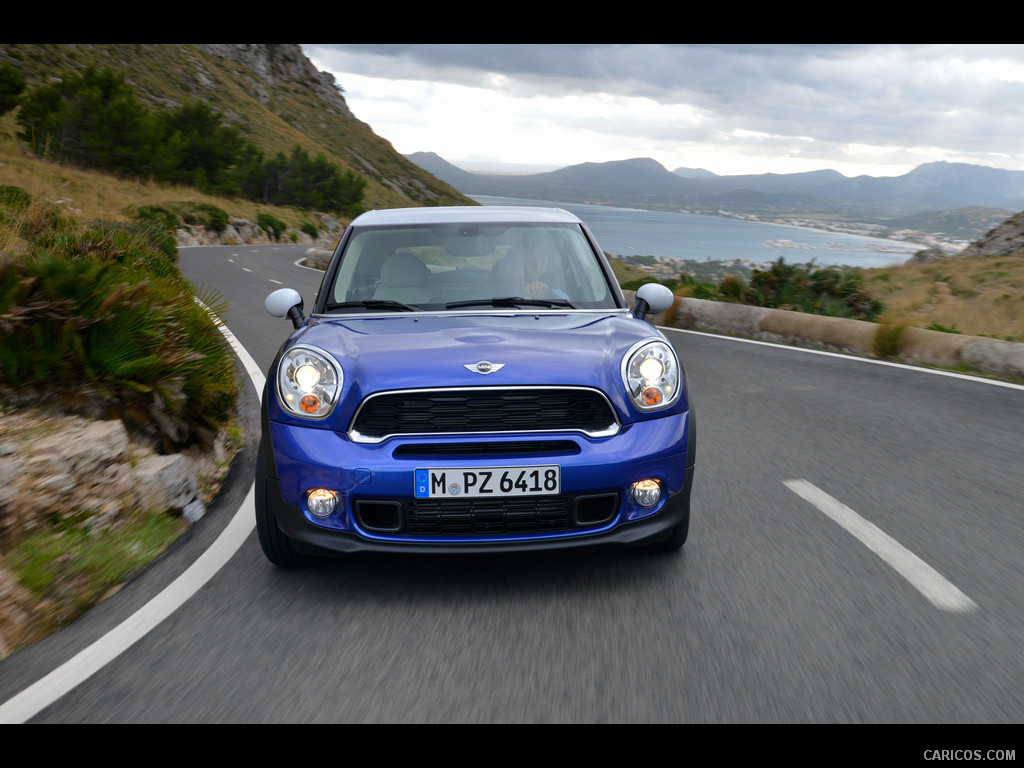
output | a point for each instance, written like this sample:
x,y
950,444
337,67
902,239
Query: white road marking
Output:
x,y
276,282
922,576
88,662
246,269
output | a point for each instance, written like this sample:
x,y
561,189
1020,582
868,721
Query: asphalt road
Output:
x,y
856,555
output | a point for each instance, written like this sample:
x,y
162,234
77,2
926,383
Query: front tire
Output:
x,y
277,547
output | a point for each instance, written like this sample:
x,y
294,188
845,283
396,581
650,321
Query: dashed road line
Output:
x,y
929,582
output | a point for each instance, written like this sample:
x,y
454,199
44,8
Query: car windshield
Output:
x,y
462,266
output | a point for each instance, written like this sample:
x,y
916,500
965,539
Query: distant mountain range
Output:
x,y
645,183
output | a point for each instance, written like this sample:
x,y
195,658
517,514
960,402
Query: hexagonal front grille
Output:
x,y
483,410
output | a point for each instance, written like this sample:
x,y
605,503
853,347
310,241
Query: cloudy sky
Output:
x,y
879,110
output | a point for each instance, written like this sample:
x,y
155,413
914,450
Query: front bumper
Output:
x,y
377,510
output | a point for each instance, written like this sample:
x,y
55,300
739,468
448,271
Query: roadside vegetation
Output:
x,y
96,318
827,291
94,120
978,296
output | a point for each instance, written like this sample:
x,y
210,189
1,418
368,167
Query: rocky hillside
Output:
x,y
271,91
1007,239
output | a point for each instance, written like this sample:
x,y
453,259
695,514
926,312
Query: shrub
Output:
x,y
102,323
14,198
204,215
170,216
271,224
24,218
136,248
806,288
12,83
163,216
310,229
887,340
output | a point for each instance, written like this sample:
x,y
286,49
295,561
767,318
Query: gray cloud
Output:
x,y
966,100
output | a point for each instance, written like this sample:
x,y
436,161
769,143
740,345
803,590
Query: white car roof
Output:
x,y
491,214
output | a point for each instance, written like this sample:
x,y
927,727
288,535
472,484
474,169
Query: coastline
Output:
x,y
766,245
915,246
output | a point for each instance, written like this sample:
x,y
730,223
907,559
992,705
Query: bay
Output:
x,y
635,232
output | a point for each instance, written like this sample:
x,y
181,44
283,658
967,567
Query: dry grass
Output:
x,y
979,296
92,195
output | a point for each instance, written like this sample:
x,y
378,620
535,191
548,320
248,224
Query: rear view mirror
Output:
x,y
653,298
286,302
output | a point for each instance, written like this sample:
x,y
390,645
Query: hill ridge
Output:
x,y
272,92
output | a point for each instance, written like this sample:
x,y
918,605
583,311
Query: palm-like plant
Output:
x,y
102,322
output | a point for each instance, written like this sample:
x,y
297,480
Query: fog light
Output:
x,y
646,493
321,502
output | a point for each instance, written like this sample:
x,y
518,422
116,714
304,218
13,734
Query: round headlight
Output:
x,y
652,369
650,372
308,382
307,376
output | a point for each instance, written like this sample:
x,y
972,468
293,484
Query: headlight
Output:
x,y
308,382
650,372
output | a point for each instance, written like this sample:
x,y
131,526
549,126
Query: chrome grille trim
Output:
x,y
612,428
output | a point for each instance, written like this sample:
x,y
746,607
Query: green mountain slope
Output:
x,y
272,92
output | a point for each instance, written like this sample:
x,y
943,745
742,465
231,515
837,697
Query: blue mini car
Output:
x,y
471,379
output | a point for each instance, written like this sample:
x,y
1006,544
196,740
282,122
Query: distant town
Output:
x,y
912,237
711,270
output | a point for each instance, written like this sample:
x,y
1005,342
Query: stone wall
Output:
x,y
916,346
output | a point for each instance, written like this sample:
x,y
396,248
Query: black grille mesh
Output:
x,y
474,516
542,514
483,409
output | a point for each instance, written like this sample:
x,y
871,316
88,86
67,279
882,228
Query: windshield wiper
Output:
x,y
511,301
373,304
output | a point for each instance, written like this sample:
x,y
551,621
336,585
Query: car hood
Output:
x,y
409,351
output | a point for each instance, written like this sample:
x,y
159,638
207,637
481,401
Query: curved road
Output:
x,y
856,554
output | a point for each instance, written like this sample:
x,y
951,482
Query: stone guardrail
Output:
x,y
916,346
318,258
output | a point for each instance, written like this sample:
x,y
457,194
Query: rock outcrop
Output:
x,y
242,231
1007,239
60,468
281,64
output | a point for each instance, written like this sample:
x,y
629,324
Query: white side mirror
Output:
x,y
653,298
280,301
286,302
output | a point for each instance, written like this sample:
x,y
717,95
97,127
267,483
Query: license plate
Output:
x,y
489,481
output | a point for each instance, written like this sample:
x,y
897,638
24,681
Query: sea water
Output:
x,y
634,232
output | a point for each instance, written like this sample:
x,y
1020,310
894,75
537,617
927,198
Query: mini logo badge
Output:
x,y
485,367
